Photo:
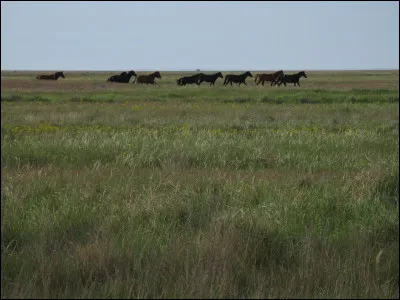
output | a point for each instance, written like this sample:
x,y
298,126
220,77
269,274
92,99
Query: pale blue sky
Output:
x,y
206,35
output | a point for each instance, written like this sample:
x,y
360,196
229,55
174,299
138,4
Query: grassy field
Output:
x,y
121,190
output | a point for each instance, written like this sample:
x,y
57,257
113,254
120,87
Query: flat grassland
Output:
x,y
136,191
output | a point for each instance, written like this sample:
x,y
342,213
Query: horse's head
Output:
x,y
157,74
220,75
279,72
131,73
249,74
302,73
60,74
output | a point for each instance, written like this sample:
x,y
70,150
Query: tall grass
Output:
x,y
211,198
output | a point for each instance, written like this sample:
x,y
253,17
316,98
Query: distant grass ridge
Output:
x,y
235,95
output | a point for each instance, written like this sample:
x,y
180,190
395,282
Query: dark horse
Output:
x,y
237,78
122,78
210,78
294,78
274,77
148,78
54,76
189,79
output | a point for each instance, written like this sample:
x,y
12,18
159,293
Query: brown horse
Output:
x,y
148,78
268,77
54,76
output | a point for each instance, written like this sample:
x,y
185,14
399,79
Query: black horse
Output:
x,y
54,76
189,79
237,78
294,78
122,78
209,78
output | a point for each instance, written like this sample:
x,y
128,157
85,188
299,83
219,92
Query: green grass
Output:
x,y
170,192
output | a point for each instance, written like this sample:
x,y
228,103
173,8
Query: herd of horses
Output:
x,y
276,78
141,79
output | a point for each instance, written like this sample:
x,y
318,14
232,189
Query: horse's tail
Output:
x,y
255,79
226,79
281,79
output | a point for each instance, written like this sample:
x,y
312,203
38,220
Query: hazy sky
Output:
x,y
206,35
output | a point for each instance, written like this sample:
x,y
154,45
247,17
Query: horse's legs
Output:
x,y
298,83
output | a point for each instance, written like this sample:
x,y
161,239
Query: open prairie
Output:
x,y
115,190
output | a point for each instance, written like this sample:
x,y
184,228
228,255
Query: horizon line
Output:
x,y
189,70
